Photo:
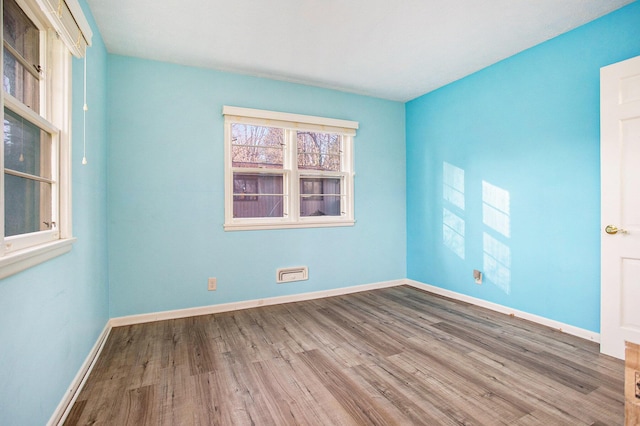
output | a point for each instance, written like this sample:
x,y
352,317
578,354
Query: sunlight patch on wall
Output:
x,y
453,185
453,232
495,208
453,213
496,214
497,262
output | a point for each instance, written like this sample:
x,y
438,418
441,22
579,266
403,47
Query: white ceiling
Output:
x,y
395,50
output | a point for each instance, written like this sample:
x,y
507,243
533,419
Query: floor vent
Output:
x,y
287,275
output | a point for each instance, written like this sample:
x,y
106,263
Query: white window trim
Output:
x,y
24,259
20,253
290,123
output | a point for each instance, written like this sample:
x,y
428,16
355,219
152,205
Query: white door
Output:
x,y
620,185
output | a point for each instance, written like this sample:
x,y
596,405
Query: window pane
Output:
x,y
27,148
27,205
320,197
21,34
257,146
319,151
256,195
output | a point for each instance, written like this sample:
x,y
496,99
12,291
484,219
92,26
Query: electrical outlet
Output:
x,y
212,284
477,275
638,384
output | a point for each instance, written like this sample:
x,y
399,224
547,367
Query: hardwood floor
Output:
x,y
383,357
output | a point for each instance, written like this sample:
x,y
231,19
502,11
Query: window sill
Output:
x,y
282,225
20,260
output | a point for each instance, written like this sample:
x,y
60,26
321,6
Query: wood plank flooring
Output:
x,y
395,356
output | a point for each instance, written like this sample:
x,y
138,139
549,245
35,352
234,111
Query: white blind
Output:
x,y
69,21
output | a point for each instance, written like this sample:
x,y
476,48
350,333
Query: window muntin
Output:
x,y
310,159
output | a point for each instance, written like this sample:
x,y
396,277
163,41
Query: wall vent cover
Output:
x,y
287,275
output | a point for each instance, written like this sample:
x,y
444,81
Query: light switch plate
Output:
x,y
212,284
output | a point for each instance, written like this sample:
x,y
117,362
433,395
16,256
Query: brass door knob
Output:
x,y
612,230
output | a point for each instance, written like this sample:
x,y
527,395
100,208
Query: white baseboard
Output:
x,y
565,328
234,306
62,411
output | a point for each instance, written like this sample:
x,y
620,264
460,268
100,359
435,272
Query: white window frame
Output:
x,y
291,123
63,30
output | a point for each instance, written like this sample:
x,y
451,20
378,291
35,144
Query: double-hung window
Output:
x,y
35,192
287,170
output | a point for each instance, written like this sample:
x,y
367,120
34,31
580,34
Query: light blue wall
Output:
x,y
530,126
166,198
51,315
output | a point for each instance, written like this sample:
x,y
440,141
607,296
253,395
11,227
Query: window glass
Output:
x,y
257,195
245,187
320,197
22,57
319,151
257,146
27,149
27,205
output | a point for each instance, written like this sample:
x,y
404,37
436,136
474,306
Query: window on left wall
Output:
x,y
38,38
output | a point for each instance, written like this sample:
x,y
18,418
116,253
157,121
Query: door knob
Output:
x,y
612,230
